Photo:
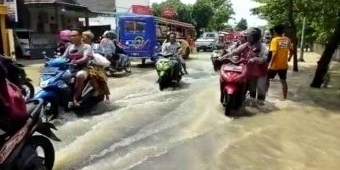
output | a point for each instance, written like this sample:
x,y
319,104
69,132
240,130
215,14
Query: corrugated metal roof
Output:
x,y
105,6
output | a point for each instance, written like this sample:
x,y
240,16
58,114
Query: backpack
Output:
x,y
13,103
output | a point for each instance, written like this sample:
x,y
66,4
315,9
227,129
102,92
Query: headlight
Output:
x,y
43,83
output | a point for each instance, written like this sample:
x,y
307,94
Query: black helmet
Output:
x,y
110,34
254,35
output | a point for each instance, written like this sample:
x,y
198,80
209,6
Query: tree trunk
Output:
x,y
326,57
293,36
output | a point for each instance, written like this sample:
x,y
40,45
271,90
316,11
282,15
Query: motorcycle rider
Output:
x,y
108,47
122,56
220,43
64,41
78,52
256,53
97,75
242,38
174,47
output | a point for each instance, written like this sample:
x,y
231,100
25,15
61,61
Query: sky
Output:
x,y
241,8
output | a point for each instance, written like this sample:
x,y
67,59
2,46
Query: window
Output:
x,y
134,26
210,35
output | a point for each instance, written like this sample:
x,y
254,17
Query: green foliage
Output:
x,y
320,15
242,25
204,14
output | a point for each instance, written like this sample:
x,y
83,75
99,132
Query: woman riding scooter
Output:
x,y
97,75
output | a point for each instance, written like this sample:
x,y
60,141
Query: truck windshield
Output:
x,y
134,26
209,35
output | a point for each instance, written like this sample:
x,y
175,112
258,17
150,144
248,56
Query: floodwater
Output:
x,y
185,129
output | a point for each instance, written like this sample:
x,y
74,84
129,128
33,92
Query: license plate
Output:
x,y
233,68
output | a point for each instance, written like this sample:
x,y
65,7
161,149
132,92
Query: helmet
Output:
x,y
110,34
254,35
64,35
221,35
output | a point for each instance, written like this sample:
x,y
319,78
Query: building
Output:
x,y
110,7
105,7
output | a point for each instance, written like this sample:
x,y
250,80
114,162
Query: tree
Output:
x,y
281,12
222,14
326,57
202,13
242,25
323,21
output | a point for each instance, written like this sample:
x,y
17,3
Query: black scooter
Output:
x,y
19,147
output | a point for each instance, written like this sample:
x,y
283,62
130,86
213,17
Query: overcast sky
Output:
x,y
241,8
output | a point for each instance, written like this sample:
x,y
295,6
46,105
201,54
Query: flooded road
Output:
x,y
185,129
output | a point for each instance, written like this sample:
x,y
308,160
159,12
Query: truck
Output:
x,y
207,41
142,35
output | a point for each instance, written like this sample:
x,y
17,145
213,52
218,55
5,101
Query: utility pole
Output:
x,y
302,45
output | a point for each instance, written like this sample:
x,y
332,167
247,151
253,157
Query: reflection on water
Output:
x,y
185,129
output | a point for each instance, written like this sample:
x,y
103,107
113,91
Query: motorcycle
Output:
x,y
124,62
57,83
233,84
124,65
169,71
18,76
19,148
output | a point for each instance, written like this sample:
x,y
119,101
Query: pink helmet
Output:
x,y
64,35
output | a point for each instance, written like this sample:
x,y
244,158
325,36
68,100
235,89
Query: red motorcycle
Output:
x,y
233,83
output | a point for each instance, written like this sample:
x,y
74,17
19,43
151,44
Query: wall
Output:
x,y
98,21
65,19
319,48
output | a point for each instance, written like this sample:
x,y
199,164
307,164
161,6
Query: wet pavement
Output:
x,y
185,129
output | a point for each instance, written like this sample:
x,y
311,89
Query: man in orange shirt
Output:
x,y
280,47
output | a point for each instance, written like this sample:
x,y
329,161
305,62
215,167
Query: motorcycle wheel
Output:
x,y
228,103
47,147
27,90
128,66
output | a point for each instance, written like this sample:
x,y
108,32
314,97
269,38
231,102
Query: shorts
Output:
x,y
282,74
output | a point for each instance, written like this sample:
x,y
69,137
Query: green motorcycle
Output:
x,y
168,70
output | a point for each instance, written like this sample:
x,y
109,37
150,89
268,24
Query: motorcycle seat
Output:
x,y
34,108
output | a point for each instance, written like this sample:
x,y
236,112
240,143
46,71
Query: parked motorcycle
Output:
x,y
169,71
19,148
232,84
57,83
18,76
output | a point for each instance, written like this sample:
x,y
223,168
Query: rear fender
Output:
x,y
45,129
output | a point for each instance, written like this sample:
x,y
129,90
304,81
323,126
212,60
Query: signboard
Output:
x,y
141,9
168,12
12,9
